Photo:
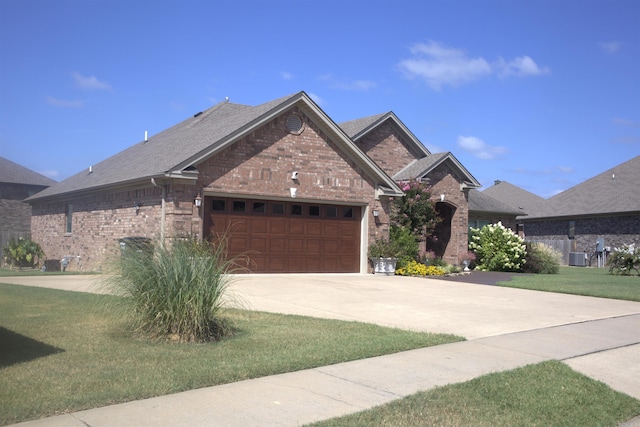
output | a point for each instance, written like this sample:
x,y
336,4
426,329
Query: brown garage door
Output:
x,y
287,237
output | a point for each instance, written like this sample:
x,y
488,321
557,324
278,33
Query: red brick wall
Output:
x,y
443,180
386,149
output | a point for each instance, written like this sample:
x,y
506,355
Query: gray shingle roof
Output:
x,y
421,167
616,190
354,127
523,200
14,173
172,151
481,202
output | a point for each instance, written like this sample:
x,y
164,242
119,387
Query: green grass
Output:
x,y
6,272
546,394
65,351
595,282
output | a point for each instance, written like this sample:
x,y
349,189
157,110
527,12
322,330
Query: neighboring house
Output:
x,y
16,184
485,210
606,206
290,189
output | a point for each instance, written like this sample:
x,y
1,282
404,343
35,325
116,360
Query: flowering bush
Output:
x,y
415,210
624,260
469,257
415,268
497,248
23,252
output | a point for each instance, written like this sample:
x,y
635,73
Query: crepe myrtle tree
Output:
x,y
415,211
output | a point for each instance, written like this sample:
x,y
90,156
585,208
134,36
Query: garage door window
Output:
x,y
332,212
296,209
347,212
239,206
277,208
219,205
314,210
259,207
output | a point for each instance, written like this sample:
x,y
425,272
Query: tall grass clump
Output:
x,y
176,292
541,259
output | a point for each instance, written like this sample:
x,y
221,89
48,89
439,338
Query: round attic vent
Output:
x,y
294,124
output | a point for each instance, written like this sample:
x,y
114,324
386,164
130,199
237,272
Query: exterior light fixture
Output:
x,y
442,197
376,213
293,192
198,200
136,207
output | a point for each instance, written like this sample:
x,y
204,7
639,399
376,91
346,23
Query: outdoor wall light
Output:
x,y
136,207
294,175
376,213
198,200
442,197
293,192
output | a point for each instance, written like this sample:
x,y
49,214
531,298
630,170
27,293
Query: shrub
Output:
x,y
541,259
497,248
623,261
406,245
383,248
174,293
23,252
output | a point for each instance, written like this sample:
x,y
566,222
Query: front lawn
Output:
x,y
595,282
546,394
65,351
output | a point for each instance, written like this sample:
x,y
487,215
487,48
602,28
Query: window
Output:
x,y
296,209
239,206
69,219
259,207
277,208
332,212
219,205
572,230
314,210
347,212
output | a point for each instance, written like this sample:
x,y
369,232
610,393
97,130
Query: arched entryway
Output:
x,y
439,240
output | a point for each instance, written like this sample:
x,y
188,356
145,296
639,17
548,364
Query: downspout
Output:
x,y
162,210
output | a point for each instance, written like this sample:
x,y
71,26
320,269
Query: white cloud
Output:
x,y
521,66
610,47
286,76
440,65
479,148
625,122
65,103
89,83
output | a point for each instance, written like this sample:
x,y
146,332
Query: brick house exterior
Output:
x,y
265,173
16,184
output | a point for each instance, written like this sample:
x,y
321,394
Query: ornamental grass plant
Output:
x,y
174,292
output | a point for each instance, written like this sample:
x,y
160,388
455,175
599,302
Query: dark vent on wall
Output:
x,y
294,123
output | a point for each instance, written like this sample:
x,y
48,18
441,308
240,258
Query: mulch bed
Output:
x,y
483,277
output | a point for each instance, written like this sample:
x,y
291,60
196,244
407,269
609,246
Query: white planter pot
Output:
x,y
385,266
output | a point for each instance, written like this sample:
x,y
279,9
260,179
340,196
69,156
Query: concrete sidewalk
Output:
x,y
511,328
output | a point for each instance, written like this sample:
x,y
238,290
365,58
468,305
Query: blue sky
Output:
x,y
543,94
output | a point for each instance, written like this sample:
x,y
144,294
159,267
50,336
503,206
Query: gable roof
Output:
x,y
358,128
614,191
481,202
173,153
520,199
13,173
422,167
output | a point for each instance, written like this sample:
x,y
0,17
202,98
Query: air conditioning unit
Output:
x,y
578,259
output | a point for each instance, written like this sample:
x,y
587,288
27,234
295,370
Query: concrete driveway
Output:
x,y
424,304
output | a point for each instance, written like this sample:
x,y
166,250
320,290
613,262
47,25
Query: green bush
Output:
x,y
406,245
23,252
497,248
541,259
623,261
174,293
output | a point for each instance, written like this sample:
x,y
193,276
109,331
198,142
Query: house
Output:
x,y
605,207
485,210
287,186
16,184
